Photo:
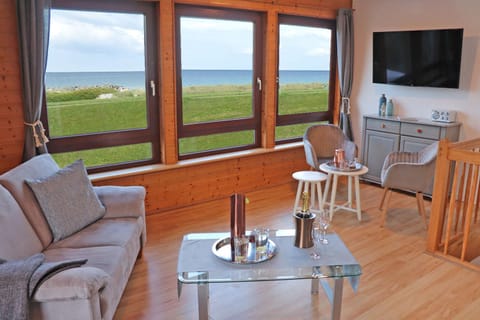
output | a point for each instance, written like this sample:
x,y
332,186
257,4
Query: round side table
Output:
x,y
306,180
335,173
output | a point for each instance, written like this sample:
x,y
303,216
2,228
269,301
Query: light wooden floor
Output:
x,y
399,281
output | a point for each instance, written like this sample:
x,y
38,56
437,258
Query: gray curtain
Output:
x,y
345,66
33,28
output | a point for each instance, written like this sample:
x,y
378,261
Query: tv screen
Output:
x,y
424,58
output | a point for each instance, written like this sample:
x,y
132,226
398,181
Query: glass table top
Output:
x,y
198,264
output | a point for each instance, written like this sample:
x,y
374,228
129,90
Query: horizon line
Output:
x,y
105,71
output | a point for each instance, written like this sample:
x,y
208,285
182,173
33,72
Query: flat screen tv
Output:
x,y
423,58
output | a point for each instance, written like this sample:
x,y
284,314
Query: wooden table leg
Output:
x,y
334,194
357,198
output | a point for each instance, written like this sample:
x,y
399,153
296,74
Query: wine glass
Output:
x,y
324,222
317,239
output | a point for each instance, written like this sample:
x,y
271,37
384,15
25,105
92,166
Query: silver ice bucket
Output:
x,y
303,230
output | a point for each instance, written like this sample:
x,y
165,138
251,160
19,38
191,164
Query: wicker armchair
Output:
x,y
409,171
320,142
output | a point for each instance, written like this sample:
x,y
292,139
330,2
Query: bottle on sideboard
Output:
x,y
389,107
382,105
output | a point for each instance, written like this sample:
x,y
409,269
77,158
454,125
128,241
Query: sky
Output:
x,y
93,41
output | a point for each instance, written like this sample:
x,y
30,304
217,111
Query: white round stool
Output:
x,y
306,180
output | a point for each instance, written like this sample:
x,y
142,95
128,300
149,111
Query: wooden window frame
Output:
x,y
150,134
221,126
299,118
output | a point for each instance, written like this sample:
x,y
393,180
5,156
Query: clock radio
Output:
x,y
444,115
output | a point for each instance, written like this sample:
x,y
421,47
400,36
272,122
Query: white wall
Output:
x,y
389,15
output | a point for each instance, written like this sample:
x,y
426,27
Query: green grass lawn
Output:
x,y
301,98
211,103
73,112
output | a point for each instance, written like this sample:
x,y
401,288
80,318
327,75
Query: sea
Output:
x,y
136,79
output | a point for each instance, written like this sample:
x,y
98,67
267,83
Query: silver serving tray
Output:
x,y
222,249
331,165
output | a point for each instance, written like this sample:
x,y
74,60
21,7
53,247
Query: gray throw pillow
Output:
x,y
68,200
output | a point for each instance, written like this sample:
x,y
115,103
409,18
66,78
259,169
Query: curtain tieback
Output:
x,y
346,105
38,133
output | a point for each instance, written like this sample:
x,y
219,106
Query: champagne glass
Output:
x,y
324,221
317,239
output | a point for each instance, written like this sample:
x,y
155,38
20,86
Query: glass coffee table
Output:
x,y
197,264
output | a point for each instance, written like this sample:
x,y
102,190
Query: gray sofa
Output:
x,y
111,244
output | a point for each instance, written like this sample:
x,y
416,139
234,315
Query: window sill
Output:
x,y
101,176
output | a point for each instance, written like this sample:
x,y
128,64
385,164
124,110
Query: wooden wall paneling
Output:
x,y
10,38
233,4
9,64
12,126
9,104
10,83
269,110
9,111
192,184
13,131
317,4
11,107
168,119
308,8
7,10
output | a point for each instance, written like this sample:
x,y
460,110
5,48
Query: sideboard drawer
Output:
x,y
420,130
383,125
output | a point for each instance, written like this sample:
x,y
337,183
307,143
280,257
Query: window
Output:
x,y
219,80
306,75
101,101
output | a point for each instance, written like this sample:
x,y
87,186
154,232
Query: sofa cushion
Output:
x,y
68,200
105,232
18,240
14,180
123,202
116,261
73,283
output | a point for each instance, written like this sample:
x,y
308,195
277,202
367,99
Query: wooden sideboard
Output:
x,y
382,135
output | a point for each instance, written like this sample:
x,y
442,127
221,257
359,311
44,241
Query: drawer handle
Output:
x,y
419,130
383,125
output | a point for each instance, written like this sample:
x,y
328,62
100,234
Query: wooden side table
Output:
x,y
335,173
